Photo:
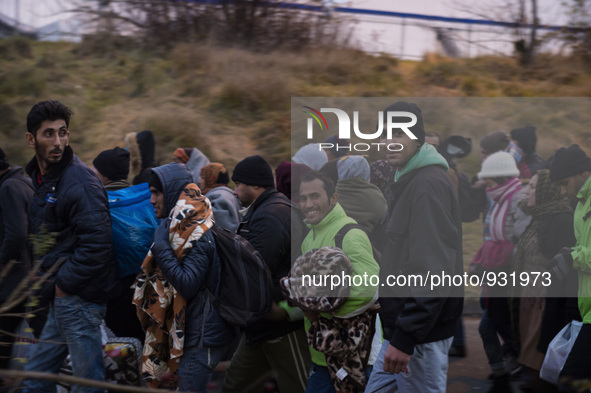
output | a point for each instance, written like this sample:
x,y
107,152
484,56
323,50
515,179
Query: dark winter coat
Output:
x,y
71,201
200,269
267,226
424,234
16,191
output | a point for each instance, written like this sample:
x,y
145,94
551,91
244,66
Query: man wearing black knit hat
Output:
x,y
571,170
112,168
276,343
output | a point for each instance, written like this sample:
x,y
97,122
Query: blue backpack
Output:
x,y
133,224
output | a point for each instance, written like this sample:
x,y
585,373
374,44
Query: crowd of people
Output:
x,y
325,212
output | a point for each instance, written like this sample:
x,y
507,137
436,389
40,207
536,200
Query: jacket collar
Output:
x,y
56,172
427,155
264,196
585,191
334,215
117,185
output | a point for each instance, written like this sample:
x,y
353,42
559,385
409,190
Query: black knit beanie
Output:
x,y
113,163
526,138
254,171
3,161
569,161
402,106
154,181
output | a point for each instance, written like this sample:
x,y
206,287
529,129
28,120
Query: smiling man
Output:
x,y
423,234
69,200
326,218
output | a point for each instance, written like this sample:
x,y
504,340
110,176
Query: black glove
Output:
x,y
561,265
161,233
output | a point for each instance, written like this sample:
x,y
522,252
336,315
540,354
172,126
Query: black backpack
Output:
x,y
338,240
245,290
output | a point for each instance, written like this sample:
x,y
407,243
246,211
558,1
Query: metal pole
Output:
x,y
16,15
469,40
402,37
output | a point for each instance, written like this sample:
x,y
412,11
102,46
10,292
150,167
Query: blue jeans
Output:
x,y
73,325
427,370
319,380
196,367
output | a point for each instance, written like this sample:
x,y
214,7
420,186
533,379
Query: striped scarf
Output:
x,y
501,195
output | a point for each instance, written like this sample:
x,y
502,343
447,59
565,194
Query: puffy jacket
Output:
x,y
71,201
200,269
16,191
424,234
267,226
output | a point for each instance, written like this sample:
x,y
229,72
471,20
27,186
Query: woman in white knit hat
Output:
x,y
503,226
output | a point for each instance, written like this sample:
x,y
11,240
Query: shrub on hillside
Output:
x,y
258,24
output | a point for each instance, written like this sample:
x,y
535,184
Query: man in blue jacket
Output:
x,y
15,193
71,202
185,251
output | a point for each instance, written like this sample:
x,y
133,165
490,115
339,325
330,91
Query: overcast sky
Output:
x,y
409,38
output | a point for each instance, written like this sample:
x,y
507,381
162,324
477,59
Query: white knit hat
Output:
x,y
499,164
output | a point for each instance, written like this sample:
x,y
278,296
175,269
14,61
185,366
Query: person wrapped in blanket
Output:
x,y
340,321
185,335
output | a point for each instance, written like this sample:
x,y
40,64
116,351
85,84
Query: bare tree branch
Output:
x,y
20,375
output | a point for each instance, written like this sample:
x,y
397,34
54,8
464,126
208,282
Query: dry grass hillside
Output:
x,y
231,102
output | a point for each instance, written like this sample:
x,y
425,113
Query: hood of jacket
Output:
x,y
56,171
427,155
174,177
585,191
197,161
362,201
141,147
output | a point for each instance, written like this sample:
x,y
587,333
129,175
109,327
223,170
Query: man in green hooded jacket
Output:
x,y
571,170
325,217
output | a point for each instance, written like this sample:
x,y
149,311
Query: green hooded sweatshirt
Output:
x,y
358,248
427,155
582,251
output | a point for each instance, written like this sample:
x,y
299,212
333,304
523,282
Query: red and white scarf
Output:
x,y
502,195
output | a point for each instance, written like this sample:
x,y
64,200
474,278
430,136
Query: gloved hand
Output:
x,y
161,233
561,265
